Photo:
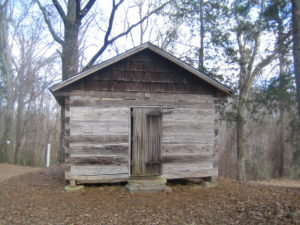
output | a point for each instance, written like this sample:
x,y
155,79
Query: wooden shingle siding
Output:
x,y
144,72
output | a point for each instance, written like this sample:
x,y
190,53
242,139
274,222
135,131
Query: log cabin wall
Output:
x,y
98,120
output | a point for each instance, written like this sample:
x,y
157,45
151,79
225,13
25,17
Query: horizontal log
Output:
x,y
187,148
98,128
96,170
78,94
114,178
190,114
86,100
187,167
91,113
118,138
187,128
108,103
192,138
185,158
198,174
103,146
97,160
118,150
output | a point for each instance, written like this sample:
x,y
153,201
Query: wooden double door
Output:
x,y
146,134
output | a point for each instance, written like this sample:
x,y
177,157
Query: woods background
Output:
x,y
248,45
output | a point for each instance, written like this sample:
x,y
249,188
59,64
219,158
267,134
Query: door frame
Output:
x,y
130,131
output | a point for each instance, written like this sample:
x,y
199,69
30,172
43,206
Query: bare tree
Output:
x,y
24,81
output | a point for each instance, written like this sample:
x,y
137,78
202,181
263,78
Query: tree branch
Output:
x,y
59,9
3,5
264,63
107,42
78,6
87,8
54,35
111,19
257,38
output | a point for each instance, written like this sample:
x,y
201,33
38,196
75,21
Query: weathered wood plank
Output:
x,y
92,113
188,159
97,160
111,103
97,127
119,138
113,149
86,95
186,167
207,123
153,96
188,148
194,138
186,127
113,178
104,146
185,174
91,170
189,114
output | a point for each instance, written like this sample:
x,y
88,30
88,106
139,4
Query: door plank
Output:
x,y
146,141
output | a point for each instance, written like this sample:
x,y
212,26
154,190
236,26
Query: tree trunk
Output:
x,y
70,54
18,139
6,69
70,48
282,116
201,49
282,145
240,139
296,46
70,61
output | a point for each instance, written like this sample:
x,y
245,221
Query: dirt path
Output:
x,y
278,184
8,171
38,197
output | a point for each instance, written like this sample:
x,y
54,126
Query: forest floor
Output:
x,y
38,197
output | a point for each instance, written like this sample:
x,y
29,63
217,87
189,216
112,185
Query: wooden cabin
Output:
x,y
143,113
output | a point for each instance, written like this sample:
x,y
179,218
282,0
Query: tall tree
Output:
x,y
243,48
277,17
248,34
201,18
6,68
296,46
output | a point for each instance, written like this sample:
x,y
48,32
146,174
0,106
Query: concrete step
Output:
x,y
146,184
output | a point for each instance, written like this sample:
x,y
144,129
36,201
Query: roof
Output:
x,y
153,48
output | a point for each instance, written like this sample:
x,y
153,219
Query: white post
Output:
x,y
48,155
